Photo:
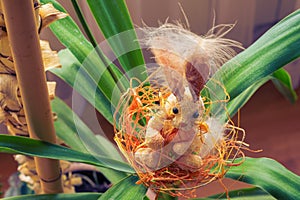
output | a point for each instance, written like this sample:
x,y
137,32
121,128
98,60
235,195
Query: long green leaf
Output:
x,y
65,127
242,194
277,47
70,36
72,73
114,21
84,23
280,78
268,175
78,136
88,32
282,81
77,196
235,104
69,127
31,147
126,189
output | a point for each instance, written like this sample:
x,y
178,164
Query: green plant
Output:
x,y
90,73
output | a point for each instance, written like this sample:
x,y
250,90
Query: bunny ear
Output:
x,y
180,73
197,72
176,82
169,59
195,79
168,78
172,71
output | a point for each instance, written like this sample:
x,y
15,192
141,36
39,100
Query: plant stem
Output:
x,y
84,23
25,47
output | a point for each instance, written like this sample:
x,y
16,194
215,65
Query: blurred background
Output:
x,y
271,122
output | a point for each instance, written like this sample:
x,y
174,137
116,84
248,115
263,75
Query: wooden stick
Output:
x,y
25,47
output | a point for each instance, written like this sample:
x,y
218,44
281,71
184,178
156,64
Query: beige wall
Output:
x,y
245,13
200,13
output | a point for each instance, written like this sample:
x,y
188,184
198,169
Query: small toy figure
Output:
x,y
165,127
174,133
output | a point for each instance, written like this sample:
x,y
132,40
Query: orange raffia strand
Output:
x,y
138,104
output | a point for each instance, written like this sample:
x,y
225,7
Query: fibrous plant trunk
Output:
x,y
24,95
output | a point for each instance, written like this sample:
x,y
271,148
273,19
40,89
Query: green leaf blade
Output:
x,y
16,145
72,73
69,34
115,23
276,48
65,127
238,102
282,81
78,136
242,194
268,175
126,189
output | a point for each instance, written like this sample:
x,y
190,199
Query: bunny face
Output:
x,y
190,110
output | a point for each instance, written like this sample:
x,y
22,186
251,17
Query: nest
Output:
x,y
167,156
173,137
